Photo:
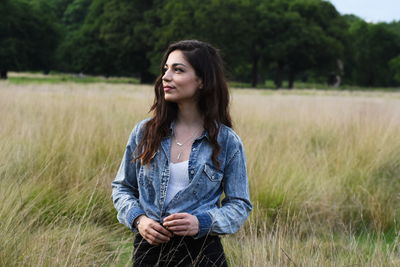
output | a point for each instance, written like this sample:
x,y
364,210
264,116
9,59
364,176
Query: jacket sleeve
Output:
x,y
125,192
236,205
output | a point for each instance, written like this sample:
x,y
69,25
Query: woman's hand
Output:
x,y
152,231
182,224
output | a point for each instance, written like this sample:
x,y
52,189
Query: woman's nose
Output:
x,y
166,76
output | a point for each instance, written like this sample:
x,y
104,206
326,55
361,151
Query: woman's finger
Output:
x,y
153,232
175,216
159,228
182,224
158,236
176,222
178,228
153,240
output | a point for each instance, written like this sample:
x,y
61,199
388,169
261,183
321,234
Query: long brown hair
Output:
x,y
212,99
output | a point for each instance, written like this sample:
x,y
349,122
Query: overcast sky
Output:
x,y
370,10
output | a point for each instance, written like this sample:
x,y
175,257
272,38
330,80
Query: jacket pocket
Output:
x,y
212,174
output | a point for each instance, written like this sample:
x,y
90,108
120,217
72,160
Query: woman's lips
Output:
x,y
168,88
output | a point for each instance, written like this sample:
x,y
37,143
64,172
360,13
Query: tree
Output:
x,y
74,14
373,47
113,39
232,26
310,39
83,50
394,65
27,38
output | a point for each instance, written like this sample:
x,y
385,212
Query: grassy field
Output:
x,y
39,78
324,170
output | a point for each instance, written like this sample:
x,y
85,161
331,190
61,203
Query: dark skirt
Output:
x,y
179,251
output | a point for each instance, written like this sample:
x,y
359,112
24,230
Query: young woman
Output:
x,y
178,163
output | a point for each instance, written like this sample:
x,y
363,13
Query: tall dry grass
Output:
x,y
324,171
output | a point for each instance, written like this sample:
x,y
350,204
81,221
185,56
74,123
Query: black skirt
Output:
x,y
179,251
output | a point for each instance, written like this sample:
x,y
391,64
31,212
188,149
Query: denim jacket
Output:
x,y
142,189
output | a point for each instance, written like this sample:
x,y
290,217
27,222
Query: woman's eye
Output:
x,y
178,70
165,70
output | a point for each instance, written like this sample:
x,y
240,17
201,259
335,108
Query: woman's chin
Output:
x,y
170,98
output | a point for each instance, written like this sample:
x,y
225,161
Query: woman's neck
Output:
x,y
189,115
188,126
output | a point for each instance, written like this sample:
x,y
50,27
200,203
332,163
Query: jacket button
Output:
x,y
192,172
194,149
213,176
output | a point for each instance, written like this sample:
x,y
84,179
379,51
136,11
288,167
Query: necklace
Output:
x,y
181,144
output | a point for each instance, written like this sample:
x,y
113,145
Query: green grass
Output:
x,y
36,78
324,171
299,85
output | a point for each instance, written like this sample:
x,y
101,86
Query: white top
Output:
x,y
178,179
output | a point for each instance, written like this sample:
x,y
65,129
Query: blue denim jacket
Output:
x,y
142,189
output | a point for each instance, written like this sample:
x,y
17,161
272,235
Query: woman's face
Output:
x,y
180,81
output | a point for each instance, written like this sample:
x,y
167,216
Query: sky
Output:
x,y
370,10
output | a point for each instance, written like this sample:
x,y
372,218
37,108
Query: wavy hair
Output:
x,y
212,99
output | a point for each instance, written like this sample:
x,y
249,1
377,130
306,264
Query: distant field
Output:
x,y
28,78
324,170
53,78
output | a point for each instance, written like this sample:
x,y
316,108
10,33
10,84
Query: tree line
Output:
x,y
279,40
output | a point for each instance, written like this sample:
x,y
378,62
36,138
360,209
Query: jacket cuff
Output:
x,y
205,223
132,215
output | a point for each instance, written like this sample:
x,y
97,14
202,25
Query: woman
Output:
x,y
178,163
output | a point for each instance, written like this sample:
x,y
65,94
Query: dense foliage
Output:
x,y
260,40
